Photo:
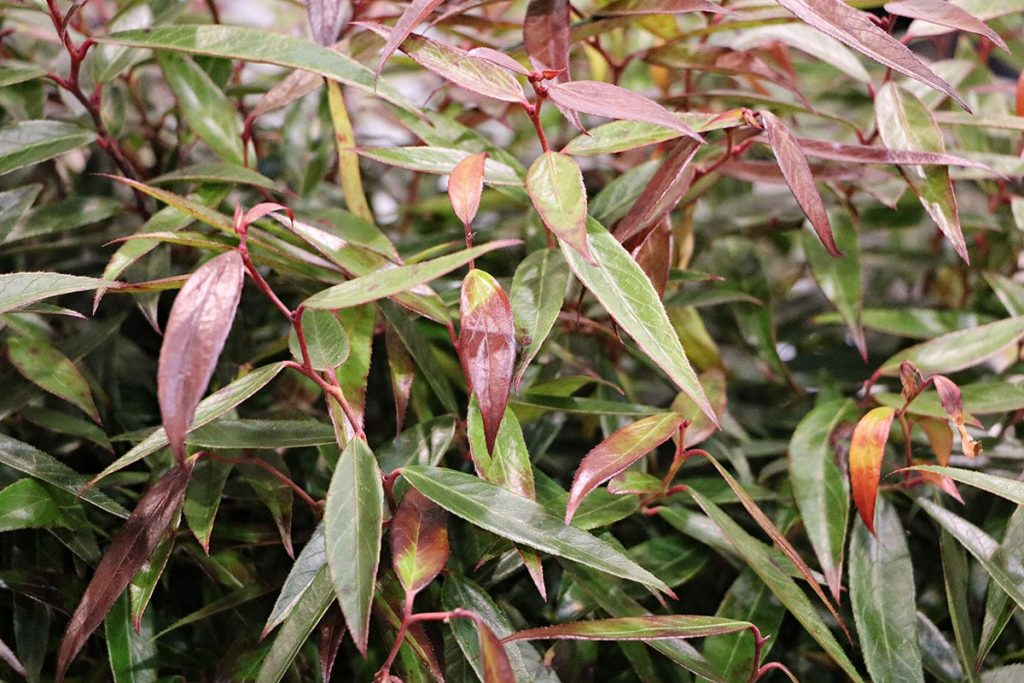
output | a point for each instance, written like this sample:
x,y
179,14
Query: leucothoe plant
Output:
x,y
619,340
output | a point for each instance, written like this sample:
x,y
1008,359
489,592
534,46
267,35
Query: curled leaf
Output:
x,y
419,541
866,450
197,328
953,404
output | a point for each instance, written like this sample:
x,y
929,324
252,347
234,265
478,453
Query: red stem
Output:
x,y
274,472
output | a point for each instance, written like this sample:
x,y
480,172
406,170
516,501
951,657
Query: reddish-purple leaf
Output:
x,y
942,482
661,194
131,547
863,154
944,13
866,450
487,347
465,185
326,17
617,452
911,379
196,331
647,627
546,36
654,255
414,14
855,28
332,632
497,668
11,659
632,7
605,99
953,404
500,58
403,372
259,211
555,185
419,541
797,173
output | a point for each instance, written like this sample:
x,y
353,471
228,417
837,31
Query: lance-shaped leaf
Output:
x,y
494,659
797,173
52,371
953,404
867,448
555,185
960,349
416,12
309,609
487,347
332,633
635,628
905,123
465,186
617,452
1010,489
326,17
659,196
523,521
882,595
840,278
946,14
21,289
629,297
538,291
29,142
131,547
749,599
419,541
546,36
819,486
388,281
197,328
605,99
641,7
403,372
855,28
352,531
203,498
308,564
869,154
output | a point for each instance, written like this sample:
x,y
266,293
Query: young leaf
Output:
x,y
419,541
661,194
855,28
944,14
952,402
867,448
546,36
403,373
497,668
465,185
820,488
538,291
24,143
131,547
883,599
197,328
605,99
905,123
797,173
353,517
487,347
416,12
617,452
555,185
52,371
523,521
326,17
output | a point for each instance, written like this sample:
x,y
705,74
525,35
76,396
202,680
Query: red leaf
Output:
x,y
403,373
414,14
661,195
499,58
419,541
943,483
332,632
605,99
855,28
487,347
196,331
911,379
631,7
863,154
866,450
546,36
131,547
953,404
944,13
497,668
797,173
326,17
465,185
617,452
259,211
654,255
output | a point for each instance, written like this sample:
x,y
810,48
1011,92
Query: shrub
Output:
x,y
523,341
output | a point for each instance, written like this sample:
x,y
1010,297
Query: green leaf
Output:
x,y
555,185
958,350
1010,489
390,281
938,656
986,398
635,628
883,599
749,599
209,113
209,409
601,508
22,289
310,563
906,124
538,290
424,444
522,521
956,577
26,504
352,531
820,487
277,496
839,277
422,352
202,500
261,434
440,161
785,589
256,45
132,653
216,172
629,297
14,204
29,142
304,617
326,341
998,607
621,136
140,591
52,371
13,72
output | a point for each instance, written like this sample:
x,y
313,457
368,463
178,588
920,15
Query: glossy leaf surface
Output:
x,y
867,448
